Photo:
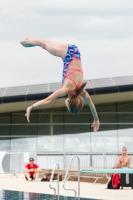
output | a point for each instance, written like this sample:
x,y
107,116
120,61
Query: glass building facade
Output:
x,y
56,130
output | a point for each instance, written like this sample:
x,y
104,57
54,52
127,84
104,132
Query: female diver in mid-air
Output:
x,y
72,81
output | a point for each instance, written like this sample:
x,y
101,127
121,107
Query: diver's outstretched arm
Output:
x,y
88,101
56,94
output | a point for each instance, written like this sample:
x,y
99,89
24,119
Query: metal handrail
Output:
x,y
65,179
58,181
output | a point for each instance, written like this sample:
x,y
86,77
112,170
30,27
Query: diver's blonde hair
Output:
x,y
76,104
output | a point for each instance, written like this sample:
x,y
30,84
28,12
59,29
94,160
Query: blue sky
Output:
x,y
102,29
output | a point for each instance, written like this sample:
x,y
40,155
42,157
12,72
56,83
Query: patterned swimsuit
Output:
x,y
73,53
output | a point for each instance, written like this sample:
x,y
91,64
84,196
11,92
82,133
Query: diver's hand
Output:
x,y
28,111
96,125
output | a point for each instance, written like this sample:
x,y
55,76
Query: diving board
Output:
x,y
108,171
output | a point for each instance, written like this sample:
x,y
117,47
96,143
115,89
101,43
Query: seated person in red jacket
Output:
x,y
31,170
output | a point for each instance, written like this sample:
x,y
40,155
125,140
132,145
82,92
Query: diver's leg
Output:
x,y
56,49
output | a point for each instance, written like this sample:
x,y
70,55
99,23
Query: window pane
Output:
x,y
23,144
5,129
43,117
57,129
50,143
4,144
5,132
125,131
74,129
104,141
23,127
125,138
77,142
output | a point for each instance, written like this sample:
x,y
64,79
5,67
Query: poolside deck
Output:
x,y
88,190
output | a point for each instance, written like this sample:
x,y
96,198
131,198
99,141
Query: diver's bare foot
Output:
x,y
29,42
36,180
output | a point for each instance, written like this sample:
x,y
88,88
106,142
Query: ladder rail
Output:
x,y
52,179
65,179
